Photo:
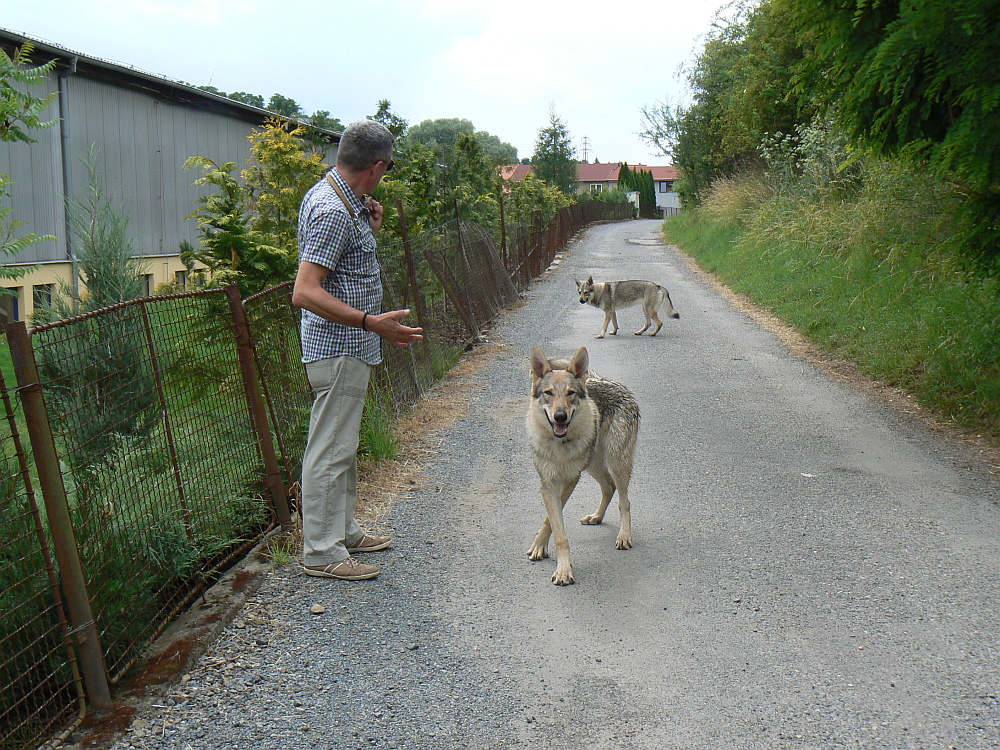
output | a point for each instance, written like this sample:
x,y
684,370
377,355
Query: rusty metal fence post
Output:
x,y
50,482
258,412
411,273
503,235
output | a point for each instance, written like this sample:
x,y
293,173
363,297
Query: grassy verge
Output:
x,y
857,280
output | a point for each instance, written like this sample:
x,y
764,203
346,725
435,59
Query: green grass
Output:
x,y
7,365
377,439
866,281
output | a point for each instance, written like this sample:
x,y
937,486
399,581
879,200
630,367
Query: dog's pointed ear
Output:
x,y
590,280
578,365
578,284
539,364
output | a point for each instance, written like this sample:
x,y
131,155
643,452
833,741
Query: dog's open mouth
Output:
x,y
559,428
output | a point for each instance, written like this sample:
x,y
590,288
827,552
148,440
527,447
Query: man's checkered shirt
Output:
x,y
329,237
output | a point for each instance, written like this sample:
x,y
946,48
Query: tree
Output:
x,y
641,182
498,152
916,80
98,368
743,91
384,114
530,196
229,247
440,136
19,111
281,172
106,256
254,100
321,119
553,158
660,128
474,182
282,105
431,189
248,231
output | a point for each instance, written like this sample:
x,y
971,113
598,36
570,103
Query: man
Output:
x,y
340,290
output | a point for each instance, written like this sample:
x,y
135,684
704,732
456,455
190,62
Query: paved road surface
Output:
x,y
810,569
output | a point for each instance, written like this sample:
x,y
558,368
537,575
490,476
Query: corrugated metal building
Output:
x,y
143,128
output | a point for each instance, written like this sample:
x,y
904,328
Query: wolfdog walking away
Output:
x,y
576,423
615,295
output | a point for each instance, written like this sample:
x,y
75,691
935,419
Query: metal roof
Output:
x,y
132,77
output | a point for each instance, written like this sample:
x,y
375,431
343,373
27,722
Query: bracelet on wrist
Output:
x,y
364,318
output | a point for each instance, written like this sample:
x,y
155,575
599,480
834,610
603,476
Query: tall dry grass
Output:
x,y
873,274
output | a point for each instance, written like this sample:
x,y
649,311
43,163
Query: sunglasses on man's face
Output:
x,y
391,163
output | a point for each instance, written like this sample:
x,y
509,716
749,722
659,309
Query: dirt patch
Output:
x,y
845,371
379,484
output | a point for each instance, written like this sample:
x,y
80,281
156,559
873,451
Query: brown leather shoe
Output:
x,y
371,544
345,570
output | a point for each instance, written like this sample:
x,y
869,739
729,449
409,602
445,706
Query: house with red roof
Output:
x,y
596,178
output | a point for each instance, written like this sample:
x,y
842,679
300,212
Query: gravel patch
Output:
x,y
312,662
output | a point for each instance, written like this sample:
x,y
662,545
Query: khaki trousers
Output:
x,y
330,461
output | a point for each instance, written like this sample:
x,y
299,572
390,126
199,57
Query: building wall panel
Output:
x,y
141,144
36,195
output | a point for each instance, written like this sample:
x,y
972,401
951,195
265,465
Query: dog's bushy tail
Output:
x,y
665,300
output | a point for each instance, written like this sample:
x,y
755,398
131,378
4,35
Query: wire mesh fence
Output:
x,y
274,327
530,246
158,456
165,435
40,690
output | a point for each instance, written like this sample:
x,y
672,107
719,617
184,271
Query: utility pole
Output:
x,y
586,150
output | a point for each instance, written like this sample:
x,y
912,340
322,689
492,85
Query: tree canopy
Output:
x,y
742,92
914,78
442,136
918,81
384,114
911,81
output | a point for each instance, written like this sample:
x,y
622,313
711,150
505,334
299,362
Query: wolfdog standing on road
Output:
x,y
576,422
615,295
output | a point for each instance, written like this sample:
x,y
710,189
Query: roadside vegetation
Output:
x,y
856,198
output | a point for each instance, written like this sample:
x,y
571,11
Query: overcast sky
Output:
x,y
498,63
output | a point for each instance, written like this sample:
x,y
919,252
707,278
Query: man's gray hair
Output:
x,y
363,143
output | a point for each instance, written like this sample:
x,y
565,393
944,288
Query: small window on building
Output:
x,y
147,285
180,280
664,186
10,304
596,187
41,295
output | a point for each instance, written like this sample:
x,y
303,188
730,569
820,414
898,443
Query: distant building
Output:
x,y
596,178
143,127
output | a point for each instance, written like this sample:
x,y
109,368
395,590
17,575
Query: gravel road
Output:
x,y
812,567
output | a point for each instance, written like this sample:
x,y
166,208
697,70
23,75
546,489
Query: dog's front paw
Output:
x,y
592,520
600,336
538,552
623,542
563,576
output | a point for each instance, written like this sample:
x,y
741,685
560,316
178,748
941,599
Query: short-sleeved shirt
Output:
x,y
330,237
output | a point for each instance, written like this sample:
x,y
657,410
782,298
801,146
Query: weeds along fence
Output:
x,y
148,445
